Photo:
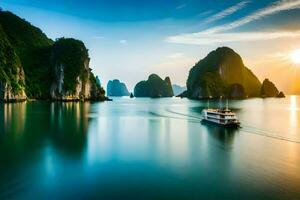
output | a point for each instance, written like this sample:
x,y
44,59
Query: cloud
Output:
x,y
279,6
203,14
226,12
98,37
175,55
181,6
217,35
207,38
175,65
123,41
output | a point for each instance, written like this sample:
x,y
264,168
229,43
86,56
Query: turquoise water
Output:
x,y
149,149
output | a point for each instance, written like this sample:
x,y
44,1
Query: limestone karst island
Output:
x,y
146,100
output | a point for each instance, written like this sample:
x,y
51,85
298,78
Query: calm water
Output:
x,y
149,149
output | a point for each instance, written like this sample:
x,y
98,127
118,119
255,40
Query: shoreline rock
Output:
x,y
55,70
281,95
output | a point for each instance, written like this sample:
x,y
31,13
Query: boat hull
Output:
x,y
222,125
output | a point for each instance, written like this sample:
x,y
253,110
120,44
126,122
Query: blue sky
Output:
x,y
129,40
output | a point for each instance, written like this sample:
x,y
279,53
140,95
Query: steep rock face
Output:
x,y
72,75
12,78
116,88
154,87
218,73
268,89
32,47
97,92
9,94
58,90
98,81
237,91
177,89
168,90
58,71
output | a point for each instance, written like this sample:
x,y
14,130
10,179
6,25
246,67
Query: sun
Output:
x,y
295,56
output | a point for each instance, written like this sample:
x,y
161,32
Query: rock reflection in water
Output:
x,y
69,125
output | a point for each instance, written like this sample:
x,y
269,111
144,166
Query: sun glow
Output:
x,y
295,56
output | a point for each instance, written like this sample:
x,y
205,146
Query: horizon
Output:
x,y
129,40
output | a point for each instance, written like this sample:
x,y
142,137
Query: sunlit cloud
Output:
x,y
226,12
217,35
175,55
282,56
206,38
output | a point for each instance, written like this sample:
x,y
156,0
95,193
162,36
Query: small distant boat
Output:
x,y
222,116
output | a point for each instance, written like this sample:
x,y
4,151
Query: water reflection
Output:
x,y
10,113
223,135
68,125
27,127
12,125
158,146
293,111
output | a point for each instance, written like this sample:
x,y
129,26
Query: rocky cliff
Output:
x,y
116,88
268,89
154,87
32,47
41,68
71,71
222,73
12,78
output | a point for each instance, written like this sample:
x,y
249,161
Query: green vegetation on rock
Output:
x,y
10,65
32,47
30,61
72,56
214,76
97,92
154,87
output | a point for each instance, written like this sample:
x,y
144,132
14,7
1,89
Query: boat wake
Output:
x,y
183,114
244,128
172,117
267,133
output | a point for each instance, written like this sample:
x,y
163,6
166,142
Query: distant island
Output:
x,y
223,73
116,88
177,89
33,66
154,87
268,89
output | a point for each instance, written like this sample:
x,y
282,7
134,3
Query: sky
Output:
x,y
130,39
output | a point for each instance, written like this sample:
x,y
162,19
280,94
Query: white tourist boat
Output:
x,y
221,116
